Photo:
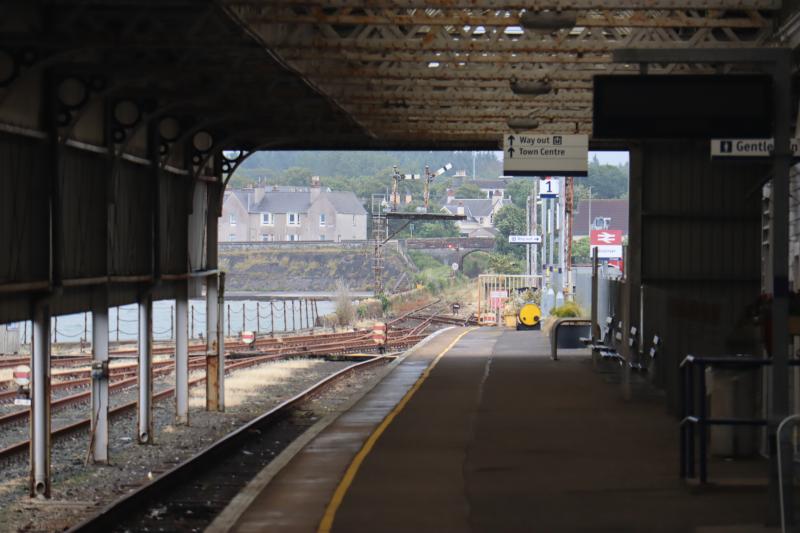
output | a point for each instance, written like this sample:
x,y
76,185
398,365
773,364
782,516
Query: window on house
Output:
x,y
292,237
232,220
322,237
322,219
232,237
293,219
354,220
266,219
267,237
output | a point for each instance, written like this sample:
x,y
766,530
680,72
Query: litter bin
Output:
x,y
732,395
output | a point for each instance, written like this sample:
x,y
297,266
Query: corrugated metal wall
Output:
x,y
105,225
23,233
83,177
700,253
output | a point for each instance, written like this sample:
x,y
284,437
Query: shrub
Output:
x,y
568,310
344,304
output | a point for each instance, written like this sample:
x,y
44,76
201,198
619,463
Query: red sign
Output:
x,y
248,337
617,263
606,236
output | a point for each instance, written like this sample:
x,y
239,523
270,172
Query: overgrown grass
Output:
x,y
433,275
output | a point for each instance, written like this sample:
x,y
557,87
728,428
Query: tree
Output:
x,y
505,264
581,251
469,190
519,190
608,181
510,220
446,228
297,176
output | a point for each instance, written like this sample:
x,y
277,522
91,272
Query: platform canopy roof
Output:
x,y
361,73
414,72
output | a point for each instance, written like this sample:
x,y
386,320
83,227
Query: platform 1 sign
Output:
x,y
747,148
525,239
549,188
531,154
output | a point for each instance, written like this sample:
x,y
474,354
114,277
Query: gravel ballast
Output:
x,y
79,491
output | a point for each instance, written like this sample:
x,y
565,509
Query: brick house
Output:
x,y
292,214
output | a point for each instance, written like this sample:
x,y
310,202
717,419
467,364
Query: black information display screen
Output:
x,y
696,107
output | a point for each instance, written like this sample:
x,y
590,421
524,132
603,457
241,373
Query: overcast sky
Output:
x,y
610,158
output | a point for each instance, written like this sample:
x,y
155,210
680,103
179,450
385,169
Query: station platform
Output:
x,y
479,430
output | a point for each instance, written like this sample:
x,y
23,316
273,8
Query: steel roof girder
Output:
x,y
767,5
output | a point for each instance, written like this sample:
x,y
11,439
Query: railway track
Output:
x,y
339,348
188,496
21,447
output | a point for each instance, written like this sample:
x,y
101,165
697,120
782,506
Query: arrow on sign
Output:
x,y
510,140
606,238
511,153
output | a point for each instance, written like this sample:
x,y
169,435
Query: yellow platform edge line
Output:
x,y
326,524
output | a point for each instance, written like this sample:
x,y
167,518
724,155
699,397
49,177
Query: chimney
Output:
x,y
258,194
316,188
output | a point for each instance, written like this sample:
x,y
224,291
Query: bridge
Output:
x,y
450,250
121,124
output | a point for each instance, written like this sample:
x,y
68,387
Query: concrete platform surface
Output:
x,y
499,438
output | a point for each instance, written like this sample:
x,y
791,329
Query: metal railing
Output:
x,y
692,367
557,327
791,419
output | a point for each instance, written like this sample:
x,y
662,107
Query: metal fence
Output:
x,y
495,290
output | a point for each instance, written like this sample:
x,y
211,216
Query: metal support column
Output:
x,y
779,248
595,333
213,314
534,226
550,231
40,404
528,232
100,377
144,430
182,353
544,237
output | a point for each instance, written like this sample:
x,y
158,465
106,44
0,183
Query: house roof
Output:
x,y
299,202
473,208
496,183
616,210
345,202
283,202
243,195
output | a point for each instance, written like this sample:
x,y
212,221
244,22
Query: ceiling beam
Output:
x,y
506,19
770,5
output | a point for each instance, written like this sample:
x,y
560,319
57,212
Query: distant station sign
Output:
x,y
525,239
721,148
606,236
531,154
549,188
607,251
248,337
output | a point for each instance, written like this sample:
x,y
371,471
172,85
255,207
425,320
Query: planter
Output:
x,y
569,335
